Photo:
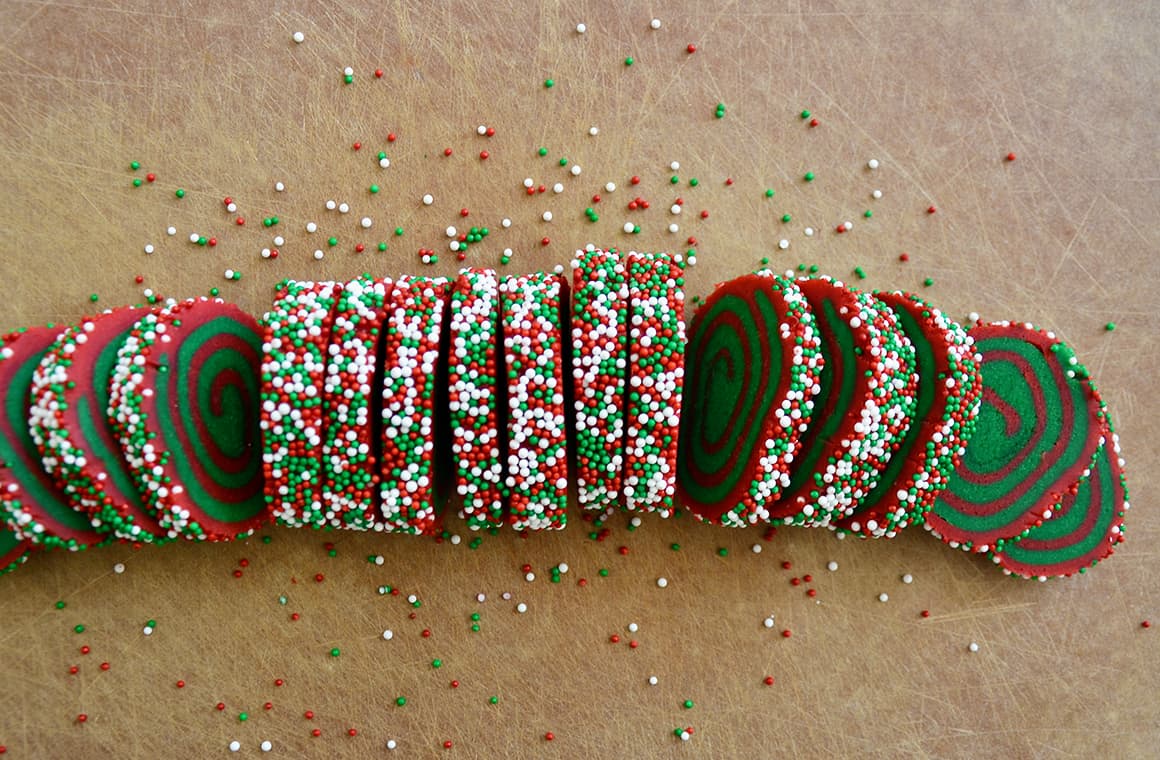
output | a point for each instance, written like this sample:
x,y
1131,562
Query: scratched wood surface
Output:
x,y
216,99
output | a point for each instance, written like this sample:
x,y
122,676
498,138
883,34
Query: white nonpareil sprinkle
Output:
x,y
576,170
343,208
529,182
366,222
481,598
675,209
530,577
235,745
388,635
558,187
832,566
848,225
675,165
884,597
581,28
547,216
266,746
278,186
908,578
279,240
384,163
594,131
655,23
628,227
193,236
783,244
119,568
809,231
757,548
872,163
633,627
231,207
973,316
507,596
974,647
148,248
876,195
170,230
662,582
653,680
318,254
348,71
769,622
505,223
229,274
521,608
265,253
562,567
331,205
610,187
147,630
391,744
481,129
674,227
428,199
299,37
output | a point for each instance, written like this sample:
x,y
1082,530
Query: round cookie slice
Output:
x,y
185,401
295,342
69,423
411,356
754,367
1039,427
1084,527
537,477
947,402
656,379
34,508
478,440
600,370
350,475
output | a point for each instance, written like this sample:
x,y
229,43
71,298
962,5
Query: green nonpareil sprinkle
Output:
x,y
809,177
604,572
1110,326
137,182
805,114
786,218
861,273
374,189
542,152
243,717
675,547
629,61
398,232
868,213
179,193
493,700
60,605
214,292
928,281
382,246
94,297
549,83
78,628
135,165
400,701
693,182
335,652
722,552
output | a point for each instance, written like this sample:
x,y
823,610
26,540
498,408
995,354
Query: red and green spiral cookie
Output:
x,y
537,473
411,354
30,502
1084,528
656,378
600,358
946,404
863,407
296,339
477,438
754,367
350,481
185,400
1039,427
69,423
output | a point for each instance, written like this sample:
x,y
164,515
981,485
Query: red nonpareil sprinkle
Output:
x,y
150,177
426,633
464,212
220,706
268,706
309,715
596,198
786,633
227,200
633,644
549,736
614,638
691,48
623,550
139,279
931,209
455,684
447,151
82,718
212,242
244,562
728,181
786,565
319,578
904,257
181,684
391,137
316,732
240,221
1010,156
278,682
704,214
483,154
795,581
85,649
73,670
808,578
357,146
925,613
237,573
294,616
635,180
811,592
447,744
691,240
583,582
814,122
105,666
378,73
1146,624
542,189
545,241
352,732
768,681
359,248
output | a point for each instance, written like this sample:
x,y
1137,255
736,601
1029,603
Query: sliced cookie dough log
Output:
x,y
296,337
185,400
350,474
656,379
862,410
14,551
947,399
754,368
411,355
69,423
34,508
600,373
1084,527
537,478
478,436
1039,427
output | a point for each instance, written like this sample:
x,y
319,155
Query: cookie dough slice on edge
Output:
x,y
864,407
537,475
412,345
599,374
947,399
295,341
186,403
754,368
478,432
69,423
34,508
1038,430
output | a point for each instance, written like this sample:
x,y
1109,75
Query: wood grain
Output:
x,y
216,99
